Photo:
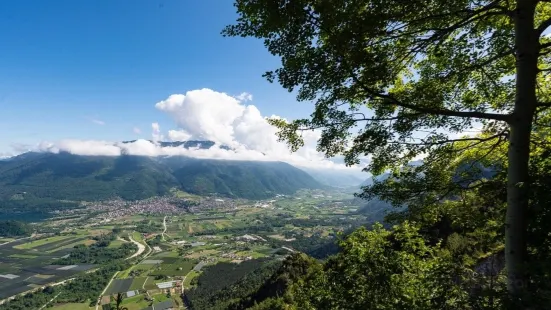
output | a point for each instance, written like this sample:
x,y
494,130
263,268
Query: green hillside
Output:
x,y
72,177
39,176
253,180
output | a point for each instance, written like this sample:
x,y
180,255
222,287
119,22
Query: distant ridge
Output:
x,y
64,176
202,144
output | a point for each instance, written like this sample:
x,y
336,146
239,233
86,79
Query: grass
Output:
x,y
39,242
253,254
23,256
278,237
138,283
150,284
125,273
177,300
137,236
115,244
97,232
135,302
160,297
86,242
190,276
175,269
71,306
202,253
165,254
140,267
44,276
181,194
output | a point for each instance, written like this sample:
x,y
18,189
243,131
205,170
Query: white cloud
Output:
x,y
97,121
137,130
81,147
205,114
156,134
244,96
178,135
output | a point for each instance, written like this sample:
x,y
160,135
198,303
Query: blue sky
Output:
x,y
66,63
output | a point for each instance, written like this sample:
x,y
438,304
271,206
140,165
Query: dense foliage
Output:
x,y
31,209
87,287
427,72
31,300
214,291
99,252
11,228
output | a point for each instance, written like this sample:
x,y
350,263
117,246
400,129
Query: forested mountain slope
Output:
x,y
64,176
254,180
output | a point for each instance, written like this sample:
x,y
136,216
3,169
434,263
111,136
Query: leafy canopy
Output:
x,y
393,79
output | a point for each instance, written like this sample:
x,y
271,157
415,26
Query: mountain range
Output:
x,y
64,176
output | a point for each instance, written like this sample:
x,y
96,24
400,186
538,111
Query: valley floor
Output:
x,y
173,250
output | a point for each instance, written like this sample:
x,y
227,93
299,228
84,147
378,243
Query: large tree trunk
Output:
x,y
526,45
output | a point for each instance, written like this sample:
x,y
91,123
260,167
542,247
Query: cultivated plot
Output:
x,y
119,286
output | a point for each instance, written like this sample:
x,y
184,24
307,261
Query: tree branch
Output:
x,y
544,25
390,100
545,45
480,140
364,119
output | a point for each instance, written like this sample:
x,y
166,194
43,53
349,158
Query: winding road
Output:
x,y
164,231
141,247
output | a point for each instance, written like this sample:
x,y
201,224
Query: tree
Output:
x,y
396,79
381,269
118,301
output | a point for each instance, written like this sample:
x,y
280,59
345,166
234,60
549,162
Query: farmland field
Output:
x,y
150,284
180,268
71,306
137,283
135,303
24,256
119,286
41,242
75,242
115,243
237,233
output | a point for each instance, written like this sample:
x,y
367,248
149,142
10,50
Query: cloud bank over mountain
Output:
x,y
206,114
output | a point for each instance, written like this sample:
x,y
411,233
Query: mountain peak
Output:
x,y
201,144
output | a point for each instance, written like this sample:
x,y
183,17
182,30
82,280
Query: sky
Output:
x,y
79,76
